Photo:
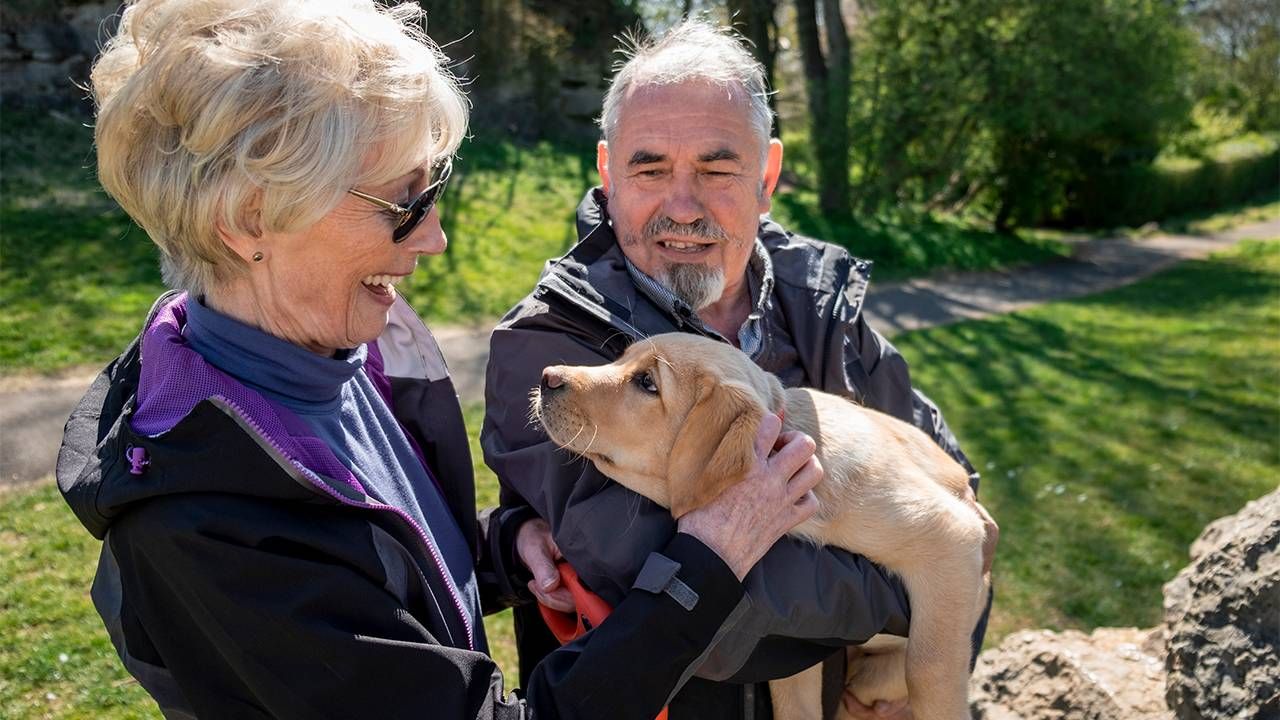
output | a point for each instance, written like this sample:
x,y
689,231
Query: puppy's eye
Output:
x,y
646,383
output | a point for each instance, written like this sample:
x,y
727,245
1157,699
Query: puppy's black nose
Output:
x,y
552,380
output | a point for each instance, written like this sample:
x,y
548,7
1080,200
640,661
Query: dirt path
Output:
x,y
33,410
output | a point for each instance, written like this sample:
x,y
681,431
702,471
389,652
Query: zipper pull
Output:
x,y
138,459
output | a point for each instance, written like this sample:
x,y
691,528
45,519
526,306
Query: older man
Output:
x,y
676,239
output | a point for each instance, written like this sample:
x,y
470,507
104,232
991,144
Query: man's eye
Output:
x,y
646,383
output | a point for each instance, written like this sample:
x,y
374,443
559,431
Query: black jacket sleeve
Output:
x,y
500,573
263,609
826,596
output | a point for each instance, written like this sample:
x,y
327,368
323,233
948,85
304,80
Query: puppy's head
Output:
x,y
674,418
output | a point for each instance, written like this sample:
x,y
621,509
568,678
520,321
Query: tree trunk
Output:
x,y
827,81
756,17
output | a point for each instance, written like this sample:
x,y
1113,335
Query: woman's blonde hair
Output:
x,y
259,115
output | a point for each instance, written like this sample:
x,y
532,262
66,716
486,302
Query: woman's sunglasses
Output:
x,y
407,218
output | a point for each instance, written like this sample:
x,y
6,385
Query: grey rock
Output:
x,y
1111,674
1222,620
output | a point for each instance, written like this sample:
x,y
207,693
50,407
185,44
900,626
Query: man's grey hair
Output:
x,y
694,50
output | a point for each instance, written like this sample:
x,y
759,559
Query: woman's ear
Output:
x,y
247,242
716,446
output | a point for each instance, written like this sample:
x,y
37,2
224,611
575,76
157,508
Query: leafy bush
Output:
x,y
1233,172
1003,105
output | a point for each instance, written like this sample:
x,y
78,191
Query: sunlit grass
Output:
x,y
78,276
1111,429
56,660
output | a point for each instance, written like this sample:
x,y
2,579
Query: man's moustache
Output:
x,y
699,228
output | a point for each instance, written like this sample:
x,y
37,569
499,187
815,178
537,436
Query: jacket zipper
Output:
x,y
318,484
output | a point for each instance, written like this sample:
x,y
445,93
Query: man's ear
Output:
x,y
602,165
772,171
716,445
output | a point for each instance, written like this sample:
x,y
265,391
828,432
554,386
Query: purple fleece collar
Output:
x,y
174,379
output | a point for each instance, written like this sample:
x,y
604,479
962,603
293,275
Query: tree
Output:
x,y
827,82
1008,105
1240,72
759,25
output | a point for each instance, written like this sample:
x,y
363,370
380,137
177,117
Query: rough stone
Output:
x,y
1111,674
1222,619
45,62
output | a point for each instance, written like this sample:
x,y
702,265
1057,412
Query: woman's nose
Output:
x,y
429,237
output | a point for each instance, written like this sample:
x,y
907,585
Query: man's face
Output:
x,y
687,182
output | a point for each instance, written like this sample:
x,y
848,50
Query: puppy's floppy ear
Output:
x,y
716,445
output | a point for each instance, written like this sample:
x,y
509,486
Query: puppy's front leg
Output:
x,y
798,697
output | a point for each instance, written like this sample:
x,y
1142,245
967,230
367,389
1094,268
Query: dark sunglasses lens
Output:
x,y
420,207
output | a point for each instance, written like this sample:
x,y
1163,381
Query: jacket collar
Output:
x,y
592,274
174,379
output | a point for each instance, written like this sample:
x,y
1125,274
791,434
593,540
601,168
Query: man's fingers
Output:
x,y
767,434
545,574
806,478
558,599
794,454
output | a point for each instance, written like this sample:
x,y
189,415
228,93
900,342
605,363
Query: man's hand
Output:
x,y
745,520
992,531
881,710
538,552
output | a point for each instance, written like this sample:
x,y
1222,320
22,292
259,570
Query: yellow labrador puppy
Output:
x,y
675,418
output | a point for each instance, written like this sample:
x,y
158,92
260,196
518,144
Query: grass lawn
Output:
x,y
78,275
1110,430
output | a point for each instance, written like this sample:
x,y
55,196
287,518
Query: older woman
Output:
x,y
277,465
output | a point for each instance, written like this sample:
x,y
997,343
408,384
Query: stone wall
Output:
x,y
45,57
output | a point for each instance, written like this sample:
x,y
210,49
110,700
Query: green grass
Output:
x,y
56,660
1265,208
78,276
909,246
1109,430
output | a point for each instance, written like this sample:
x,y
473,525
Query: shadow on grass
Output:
x,y
1111,430
1266,205
913,246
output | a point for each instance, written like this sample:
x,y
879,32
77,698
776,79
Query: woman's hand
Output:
x,y
744,521
538,551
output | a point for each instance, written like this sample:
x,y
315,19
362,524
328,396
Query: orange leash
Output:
x,y
590,611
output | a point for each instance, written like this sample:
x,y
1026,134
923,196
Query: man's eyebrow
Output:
x,y
720,154
645,157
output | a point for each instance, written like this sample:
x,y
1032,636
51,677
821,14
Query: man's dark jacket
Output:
x,y
245,574
585,310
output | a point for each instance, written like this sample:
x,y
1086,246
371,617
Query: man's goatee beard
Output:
x,y
696,284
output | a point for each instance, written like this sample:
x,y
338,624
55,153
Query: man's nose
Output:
x,y
683,203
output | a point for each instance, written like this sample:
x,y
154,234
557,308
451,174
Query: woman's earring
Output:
x,y
257,257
